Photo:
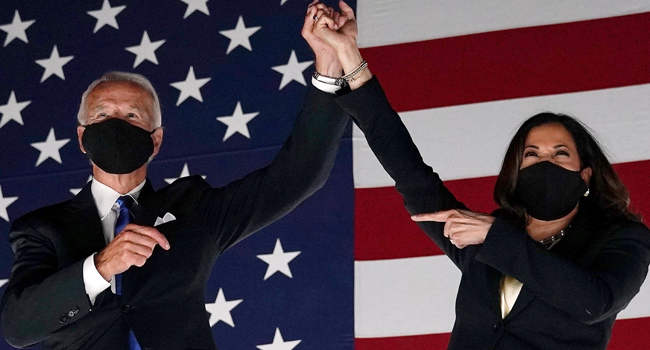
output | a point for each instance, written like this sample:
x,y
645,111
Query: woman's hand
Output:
x,y
339,31
327,62
462,227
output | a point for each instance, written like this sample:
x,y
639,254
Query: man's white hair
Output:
x,y
138,79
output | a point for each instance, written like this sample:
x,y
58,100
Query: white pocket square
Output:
x,y
167,218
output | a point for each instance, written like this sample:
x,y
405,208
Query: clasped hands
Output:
x,y
462,227
133,246
332,35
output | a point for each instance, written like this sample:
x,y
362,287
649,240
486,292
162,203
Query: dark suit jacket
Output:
x,y
163,301
570,295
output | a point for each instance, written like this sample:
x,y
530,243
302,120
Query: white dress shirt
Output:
x,y
108,210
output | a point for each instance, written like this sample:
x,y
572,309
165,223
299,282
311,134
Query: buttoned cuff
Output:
x,y
93,281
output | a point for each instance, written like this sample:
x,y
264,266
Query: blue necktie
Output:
x,y
123,219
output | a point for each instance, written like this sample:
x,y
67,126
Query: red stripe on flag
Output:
x,y
384,230
630,334
627,334
524,62
428,341
636,177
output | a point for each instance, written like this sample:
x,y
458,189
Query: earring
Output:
x,y
586,193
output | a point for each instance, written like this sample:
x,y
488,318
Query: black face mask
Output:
x,y
549,191
116,146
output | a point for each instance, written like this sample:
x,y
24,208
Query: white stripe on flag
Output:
x,y
404,296
416,296
386,22
640,305
470,140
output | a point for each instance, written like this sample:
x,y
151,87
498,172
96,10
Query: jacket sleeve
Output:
x,y
301,167
39,300
588,294
419,185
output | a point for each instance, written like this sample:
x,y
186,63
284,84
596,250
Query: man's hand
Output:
x,y
462,227
339,31
133,246
327,62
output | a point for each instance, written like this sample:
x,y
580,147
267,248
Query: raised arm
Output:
x,y
301,167
390,141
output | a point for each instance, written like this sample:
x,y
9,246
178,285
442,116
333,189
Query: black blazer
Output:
x,y
570,295
163,302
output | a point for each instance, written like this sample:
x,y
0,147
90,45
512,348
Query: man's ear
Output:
x,y
157,137
80,134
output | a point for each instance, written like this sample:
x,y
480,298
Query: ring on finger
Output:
x,y
452,241
315,18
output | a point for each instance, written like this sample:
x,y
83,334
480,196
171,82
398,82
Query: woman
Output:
x,y
553,266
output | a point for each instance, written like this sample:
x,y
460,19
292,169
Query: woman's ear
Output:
x,y
585,174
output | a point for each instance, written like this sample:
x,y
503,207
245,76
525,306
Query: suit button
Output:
x,y
126,309
497,327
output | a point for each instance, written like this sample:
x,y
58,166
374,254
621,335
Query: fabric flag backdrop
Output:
x,y
231,77
464,74
347,269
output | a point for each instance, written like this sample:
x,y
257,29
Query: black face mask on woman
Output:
x,y
116,146
549,191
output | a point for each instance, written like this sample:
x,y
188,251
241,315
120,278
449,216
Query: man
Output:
x,y
93,271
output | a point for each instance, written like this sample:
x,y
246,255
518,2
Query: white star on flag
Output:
x,y
279,343
278,261
239,36
190,87
11,111
282,2
16,29
54,64
292,70
76,191
146,50
184,173
49,148
4,203
237,122
196,5
106,15
3,282
220,309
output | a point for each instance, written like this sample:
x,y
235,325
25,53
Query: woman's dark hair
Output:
x,y
608,198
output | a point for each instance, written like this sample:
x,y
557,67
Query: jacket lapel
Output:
x,y
145,213
524,298
83,225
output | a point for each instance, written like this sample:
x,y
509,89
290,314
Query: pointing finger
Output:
x,y
439,216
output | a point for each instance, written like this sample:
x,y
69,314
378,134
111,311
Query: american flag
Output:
x,y
231,76
463,74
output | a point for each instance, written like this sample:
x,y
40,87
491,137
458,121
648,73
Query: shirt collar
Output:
x,y
105,196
